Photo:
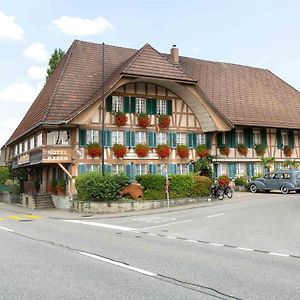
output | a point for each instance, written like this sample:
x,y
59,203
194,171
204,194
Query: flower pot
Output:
x,y
163,150
143,120
164,121
183,151
119,150
121,119
142,150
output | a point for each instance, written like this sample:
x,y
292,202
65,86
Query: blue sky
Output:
x,y
256,33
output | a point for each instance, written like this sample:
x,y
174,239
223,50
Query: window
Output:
x,y
90,168
16,150
20,148
181,169
161,107
117,169
58,137
140,169
200,139
257,168
221,169
161,138
239,136
26,146
240,169
117,137
117,104
92,136
256,137
181,138
39,140
161,169
31,143
140,137
284,138
140,105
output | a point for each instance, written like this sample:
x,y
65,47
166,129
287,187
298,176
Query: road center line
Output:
x,y
212,216
109,226
165,224
279,254
118,264
9,230
245,249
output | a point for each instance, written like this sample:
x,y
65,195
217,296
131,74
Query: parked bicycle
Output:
x,y
227,191
217,192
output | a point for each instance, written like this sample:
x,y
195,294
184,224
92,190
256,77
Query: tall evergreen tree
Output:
x,y
55,59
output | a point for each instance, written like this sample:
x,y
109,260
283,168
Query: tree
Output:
x,y
55,59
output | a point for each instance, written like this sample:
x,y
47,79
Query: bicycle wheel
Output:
x,y
228,192
220,194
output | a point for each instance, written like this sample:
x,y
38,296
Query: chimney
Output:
x,y
175,54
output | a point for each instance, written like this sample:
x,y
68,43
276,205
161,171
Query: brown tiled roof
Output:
x,y
245,95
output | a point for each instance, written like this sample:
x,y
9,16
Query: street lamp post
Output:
x,y
102,111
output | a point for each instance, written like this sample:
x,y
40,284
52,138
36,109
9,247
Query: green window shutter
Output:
x,y
190,140
191,168
109,103
278,139
149,106
107,138
132,104
151,139
208,136
194,140
152,168
248,137
172,139
126,104
127,139
130,171
107,168
263,133
154,108
81,169
215,171
132,139
230,141
291,139
231,170
172,169
100,137
169,107
82,137
219,138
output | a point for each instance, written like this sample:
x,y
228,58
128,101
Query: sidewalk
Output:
x,y
55,213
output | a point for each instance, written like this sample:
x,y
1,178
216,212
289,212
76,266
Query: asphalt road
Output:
x,y
246,248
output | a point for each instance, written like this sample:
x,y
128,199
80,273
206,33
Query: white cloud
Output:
x,y
79,26
36,51
36,72
9,29
7,128
20,92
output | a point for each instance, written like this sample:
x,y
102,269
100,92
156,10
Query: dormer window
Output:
x,y
161,107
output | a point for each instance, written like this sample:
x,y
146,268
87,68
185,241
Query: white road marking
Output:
x,y
109,226
118,264
164,220
215,244
166,224
6,229
212,216
245,249
171,237
279,254
192,241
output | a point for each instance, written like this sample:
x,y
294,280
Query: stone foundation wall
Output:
x,y
27,201
62,202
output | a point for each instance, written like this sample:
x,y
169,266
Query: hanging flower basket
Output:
x,y
242,149
164,121
202,151
182,151
119,150
224,150
163,150
260,149
142,150
94,150
223,180
121,119
287,150
143,120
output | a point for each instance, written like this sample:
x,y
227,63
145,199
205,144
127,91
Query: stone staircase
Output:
x,y
43,201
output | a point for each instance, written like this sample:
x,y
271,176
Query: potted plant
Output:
x,y
240,184
242,149
142,150
94,150
163,150
287,150
202,151
260,149
52,187
143,120
164,121
121,118
223,180
119,150
182,151
60,187
224,150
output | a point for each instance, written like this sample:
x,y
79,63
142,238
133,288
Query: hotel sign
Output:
x,y
55,154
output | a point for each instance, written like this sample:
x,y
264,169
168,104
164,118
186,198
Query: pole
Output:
x,y
102,112
167,187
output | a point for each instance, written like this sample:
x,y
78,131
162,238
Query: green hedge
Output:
x,y
93,186
202,186
181,186
152,182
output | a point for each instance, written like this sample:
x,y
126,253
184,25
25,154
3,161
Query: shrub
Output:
x,y
4,174
202,151
143,120
152,182
181,186
182,151
121,119
163,150
223,180
240,181
94,150
93,186
242,149
164,121
224,150
260,149
202,186
203,167
142,150
154,195
119,150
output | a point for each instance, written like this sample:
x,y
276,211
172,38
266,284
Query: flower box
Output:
x,y
260,149
164,121
202,151
224,150
94,150
121,119
182,151
163,150
242,149
143,120
142,150
119,150
287,150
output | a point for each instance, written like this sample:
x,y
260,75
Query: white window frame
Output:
x,y
256,136
257,168
39,140
20,148
140,169
31,143
117,137
181,138
58,137
140,137
201,139
92,167
16,150
140,105
25,145
161,138
117,103
284,138
92,136
221,169
117,169
240,169
161,107
239,136
182,169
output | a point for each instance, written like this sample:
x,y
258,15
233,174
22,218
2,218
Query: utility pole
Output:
x,y
102,112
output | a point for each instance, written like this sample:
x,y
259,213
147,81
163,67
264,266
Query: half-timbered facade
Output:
x,y
208,103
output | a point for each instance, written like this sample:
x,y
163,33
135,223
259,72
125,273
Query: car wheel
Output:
x,y
284,190
253,188
297,191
